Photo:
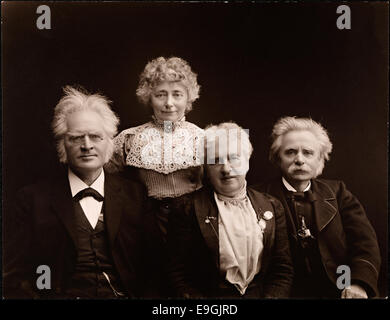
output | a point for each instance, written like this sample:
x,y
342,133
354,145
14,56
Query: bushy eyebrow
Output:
x,y
291,149
312,150
82,133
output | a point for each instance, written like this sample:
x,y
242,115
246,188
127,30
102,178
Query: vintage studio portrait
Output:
x,y
194,150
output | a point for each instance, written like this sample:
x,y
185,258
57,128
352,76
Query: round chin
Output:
x,y
230,189
170,118
89,165
229,193
301,177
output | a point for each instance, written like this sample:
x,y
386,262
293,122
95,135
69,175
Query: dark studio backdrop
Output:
x,y
255,63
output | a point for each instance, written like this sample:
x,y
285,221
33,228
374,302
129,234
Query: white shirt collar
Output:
x,y
76,184
289,187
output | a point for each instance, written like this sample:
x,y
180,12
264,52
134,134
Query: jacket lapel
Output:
x,y
207,215
275,188
113,206
260,206
325,206
61,203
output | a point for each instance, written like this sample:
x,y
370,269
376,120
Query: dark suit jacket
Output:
x,y
42,231
345,235
194,247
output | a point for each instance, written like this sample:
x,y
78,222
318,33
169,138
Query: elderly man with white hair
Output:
x,y
227,240
328,227
77,234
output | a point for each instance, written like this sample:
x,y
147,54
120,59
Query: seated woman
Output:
x,y
164,154
227,240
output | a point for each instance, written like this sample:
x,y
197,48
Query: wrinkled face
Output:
x,y
86,143
228,173
169,101
299,156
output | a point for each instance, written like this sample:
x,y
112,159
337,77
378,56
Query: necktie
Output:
x,y
301,196
88,192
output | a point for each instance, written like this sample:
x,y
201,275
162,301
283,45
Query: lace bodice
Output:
x,y
164,147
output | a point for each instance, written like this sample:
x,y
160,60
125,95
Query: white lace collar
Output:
x,y
155,147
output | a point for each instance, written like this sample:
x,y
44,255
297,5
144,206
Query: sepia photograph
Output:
x,y
179,151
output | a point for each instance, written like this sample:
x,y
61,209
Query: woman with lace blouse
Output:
x,y
165,152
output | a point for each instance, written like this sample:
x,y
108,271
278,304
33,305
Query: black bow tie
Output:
x,y
301,196
88,192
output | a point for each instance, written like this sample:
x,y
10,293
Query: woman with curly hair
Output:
x,y
165,152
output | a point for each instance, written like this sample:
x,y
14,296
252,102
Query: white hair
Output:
x,y
76,100
222,132
287,124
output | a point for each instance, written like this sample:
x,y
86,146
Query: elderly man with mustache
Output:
x,y
328,227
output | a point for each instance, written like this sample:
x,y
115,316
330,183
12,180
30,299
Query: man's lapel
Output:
x,y
325,206
275,188
113,206
61,203
207,215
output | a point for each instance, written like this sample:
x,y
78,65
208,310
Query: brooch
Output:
x,y
267,215
207,220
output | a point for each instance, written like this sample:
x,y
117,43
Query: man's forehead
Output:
x,y
298,138
84,121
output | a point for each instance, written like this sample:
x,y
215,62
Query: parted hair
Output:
x,y
78,99
287,124
167,69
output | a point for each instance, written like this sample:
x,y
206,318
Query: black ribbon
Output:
x,y
88,192
306,196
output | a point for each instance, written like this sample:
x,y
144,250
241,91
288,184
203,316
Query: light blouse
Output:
x,y
240,240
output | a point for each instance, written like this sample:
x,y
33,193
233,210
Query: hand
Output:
x,y
354,292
